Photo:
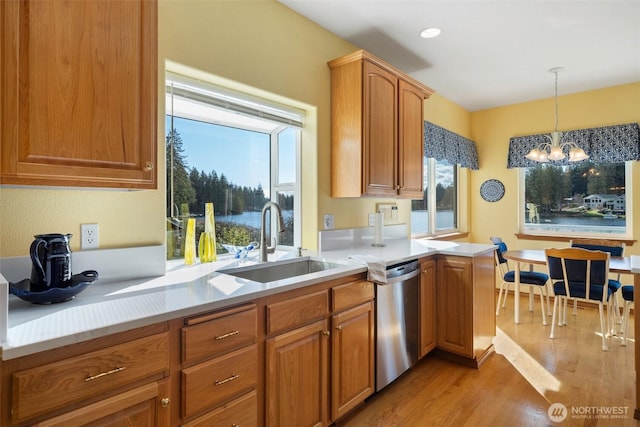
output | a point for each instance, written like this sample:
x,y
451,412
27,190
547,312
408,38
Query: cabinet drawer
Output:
x,y
351,294
216,381
242,411
297,311
42,389
139,407
219,335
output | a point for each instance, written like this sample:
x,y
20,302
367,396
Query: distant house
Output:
x,y
605,201
617,204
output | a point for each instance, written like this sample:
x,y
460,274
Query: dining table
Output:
x,y
537,257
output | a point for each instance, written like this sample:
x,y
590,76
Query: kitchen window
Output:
x,y
581,199
236,151
441,192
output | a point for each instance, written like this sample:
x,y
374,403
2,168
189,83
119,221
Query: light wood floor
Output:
x,y
517,384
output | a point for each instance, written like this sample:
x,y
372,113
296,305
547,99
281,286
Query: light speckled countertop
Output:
x,y
109,306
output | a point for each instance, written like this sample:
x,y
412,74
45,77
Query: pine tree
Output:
x,y
178,182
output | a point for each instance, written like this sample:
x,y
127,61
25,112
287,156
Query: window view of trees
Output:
x,y
188,189
584,197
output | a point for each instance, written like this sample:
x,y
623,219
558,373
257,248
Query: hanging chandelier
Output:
x,y
555,148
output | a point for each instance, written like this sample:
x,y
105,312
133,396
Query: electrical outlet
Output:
x,y
89,236
328,222
372,219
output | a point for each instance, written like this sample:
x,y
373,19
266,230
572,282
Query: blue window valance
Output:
x,y
608,144
442,144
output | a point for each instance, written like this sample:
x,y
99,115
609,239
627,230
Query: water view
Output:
x,y
252,218
581,224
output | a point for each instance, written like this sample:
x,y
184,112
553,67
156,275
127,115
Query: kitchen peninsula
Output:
x,y
144,346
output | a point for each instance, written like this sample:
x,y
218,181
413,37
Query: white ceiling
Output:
x,y
493,53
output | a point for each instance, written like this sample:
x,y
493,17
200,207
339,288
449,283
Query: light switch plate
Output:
x,y
390,211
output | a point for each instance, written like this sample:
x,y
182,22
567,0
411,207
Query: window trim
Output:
x,y
296,186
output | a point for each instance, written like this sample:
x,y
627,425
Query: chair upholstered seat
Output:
x,y
627,293
578,290
527,277
614,285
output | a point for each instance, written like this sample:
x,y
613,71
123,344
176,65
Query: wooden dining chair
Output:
x,y
533,279
580,274
613,247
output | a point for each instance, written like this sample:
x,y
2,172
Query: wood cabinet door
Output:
x,y
454,305
79,93
145,406
352,358
427,306
297,377
380,123
410,141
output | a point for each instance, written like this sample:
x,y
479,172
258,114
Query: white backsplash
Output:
x,y
338,239
111,264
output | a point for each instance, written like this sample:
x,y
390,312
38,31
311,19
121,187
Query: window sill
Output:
x,y
522,236
449,236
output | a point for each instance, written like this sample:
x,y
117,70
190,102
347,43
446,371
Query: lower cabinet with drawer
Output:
x,y
120,384
220,368
319,354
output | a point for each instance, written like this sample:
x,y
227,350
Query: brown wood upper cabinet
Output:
x,y
377,129
79,93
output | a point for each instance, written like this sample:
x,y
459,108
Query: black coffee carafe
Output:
x,y
51,258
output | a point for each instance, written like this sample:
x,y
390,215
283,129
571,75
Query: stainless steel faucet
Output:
x,y
264,245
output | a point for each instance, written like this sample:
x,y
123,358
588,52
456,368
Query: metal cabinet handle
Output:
x,y
227,335
165,402
339,327
226,380
104,374
148,166
327,333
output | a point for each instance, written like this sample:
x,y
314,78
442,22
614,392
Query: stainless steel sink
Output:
x,y
279,270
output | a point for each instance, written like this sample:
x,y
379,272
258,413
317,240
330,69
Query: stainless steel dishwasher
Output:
x,y
396,322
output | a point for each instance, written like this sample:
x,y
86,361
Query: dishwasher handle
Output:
x,y
402,278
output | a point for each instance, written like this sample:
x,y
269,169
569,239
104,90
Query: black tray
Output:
x,y
77,284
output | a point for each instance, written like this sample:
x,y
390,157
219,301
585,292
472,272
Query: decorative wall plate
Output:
x,y
492,190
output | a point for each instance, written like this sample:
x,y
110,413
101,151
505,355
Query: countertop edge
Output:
x,y
395,252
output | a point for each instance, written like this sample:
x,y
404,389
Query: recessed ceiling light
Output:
x,y
430,33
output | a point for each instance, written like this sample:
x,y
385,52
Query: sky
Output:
x,y
444,173
242,156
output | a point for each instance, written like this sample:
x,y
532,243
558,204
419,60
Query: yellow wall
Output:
x,y
492,129
264,45
259,44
